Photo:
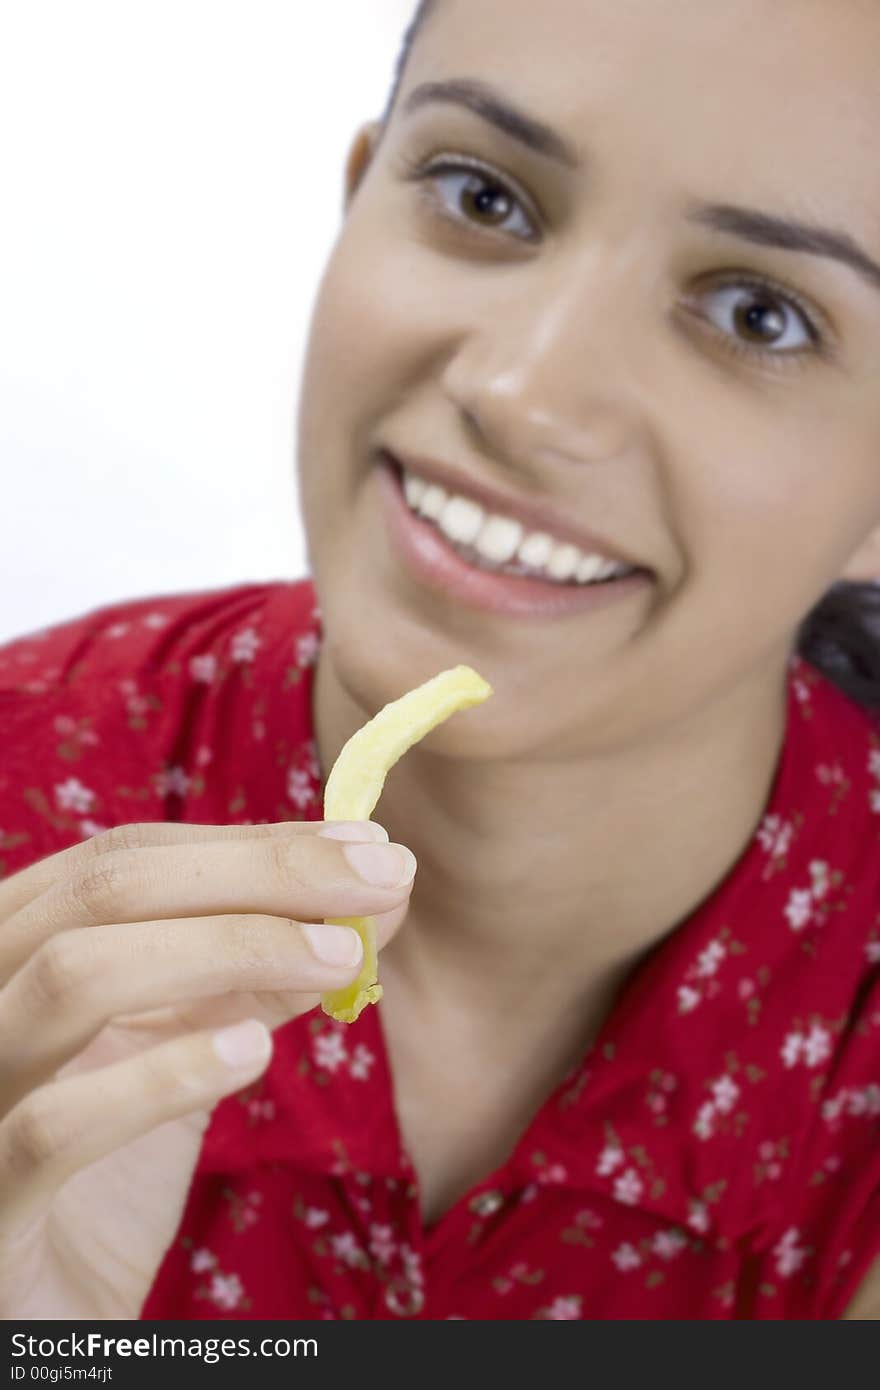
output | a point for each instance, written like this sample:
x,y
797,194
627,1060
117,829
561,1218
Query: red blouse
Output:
x,y
716,1154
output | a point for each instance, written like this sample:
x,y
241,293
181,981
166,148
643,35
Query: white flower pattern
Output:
x,y
226,1291
203,668
73,796
626,1257
245,645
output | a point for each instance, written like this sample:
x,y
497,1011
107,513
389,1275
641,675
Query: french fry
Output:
x,y
355,785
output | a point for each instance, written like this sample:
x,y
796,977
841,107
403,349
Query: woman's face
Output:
x,y
586,334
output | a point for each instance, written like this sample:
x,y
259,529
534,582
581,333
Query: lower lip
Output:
x,y
430,558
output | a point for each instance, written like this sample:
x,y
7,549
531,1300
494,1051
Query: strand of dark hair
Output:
x,y
841,638
417,22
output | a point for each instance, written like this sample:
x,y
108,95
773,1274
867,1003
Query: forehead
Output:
x,y
767,95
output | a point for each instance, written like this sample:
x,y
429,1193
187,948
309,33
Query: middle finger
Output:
x,y
306,877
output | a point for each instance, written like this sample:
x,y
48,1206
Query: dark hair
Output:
x,y
841,635
417,23
841,638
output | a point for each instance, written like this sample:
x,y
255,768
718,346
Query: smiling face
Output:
x,y
609,326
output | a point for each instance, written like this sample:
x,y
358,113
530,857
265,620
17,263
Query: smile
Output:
x,y
451,544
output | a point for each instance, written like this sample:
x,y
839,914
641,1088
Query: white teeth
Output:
x,y
536,550
433,502
415,489
589,569
501,540
564,561
462,520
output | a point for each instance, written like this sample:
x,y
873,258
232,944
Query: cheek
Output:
x,y
336,361
373,343
775,507
375,325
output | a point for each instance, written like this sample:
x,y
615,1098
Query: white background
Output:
x,y
171,185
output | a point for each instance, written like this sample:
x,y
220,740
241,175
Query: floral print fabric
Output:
x,y
715,1155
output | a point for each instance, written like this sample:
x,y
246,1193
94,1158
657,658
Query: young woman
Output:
x,y
592,405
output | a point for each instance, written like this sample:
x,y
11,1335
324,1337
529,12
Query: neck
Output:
x,y
549,882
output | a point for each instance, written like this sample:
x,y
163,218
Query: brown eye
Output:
x,y
760,321
756,317
477,199
485,201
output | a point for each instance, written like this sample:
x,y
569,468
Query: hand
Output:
x,y
120,959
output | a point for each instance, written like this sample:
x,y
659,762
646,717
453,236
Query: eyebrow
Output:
x,y
764,230
485,102
760,228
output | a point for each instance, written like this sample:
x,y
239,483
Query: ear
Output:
x,y
360,157
864,565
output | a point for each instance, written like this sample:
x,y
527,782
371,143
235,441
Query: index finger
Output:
x,y
28,884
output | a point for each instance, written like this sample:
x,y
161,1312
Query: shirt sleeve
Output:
x,y
81,725
99,715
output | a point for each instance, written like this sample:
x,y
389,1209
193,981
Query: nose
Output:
x,y
547,373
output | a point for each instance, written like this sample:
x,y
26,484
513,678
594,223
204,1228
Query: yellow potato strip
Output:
x,y
355,785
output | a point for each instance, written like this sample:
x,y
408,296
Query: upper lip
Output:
x,y
533,515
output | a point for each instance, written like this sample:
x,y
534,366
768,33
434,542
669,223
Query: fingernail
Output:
x,y
243,1044
334,945
385,866
354,830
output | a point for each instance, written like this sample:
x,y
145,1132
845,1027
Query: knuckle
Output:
x,y
155,1081
98,891
249,949
38,1134
131,836
56,970
163,1082
286,857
